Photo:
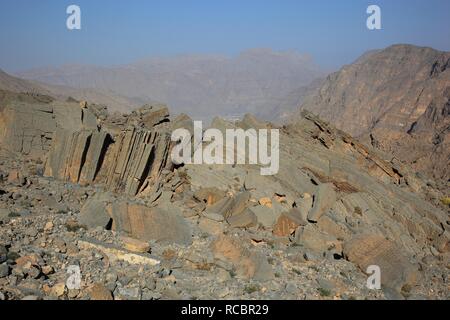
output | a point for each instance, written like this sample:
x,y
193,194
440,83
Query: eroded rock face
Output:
x,y
182,230
399,97
246,263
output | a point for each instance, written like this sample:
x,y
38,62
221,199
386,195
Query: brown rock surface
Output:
x,y
400,96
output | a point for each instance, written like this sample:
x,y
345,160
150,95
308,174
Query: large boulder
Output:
x,y
247,264
372,249
145,223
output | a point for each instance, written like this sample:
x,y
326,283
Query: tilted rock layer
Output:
x,y
399,98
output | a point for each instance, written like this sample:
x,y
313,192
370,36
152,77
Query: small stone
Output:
x,y
291,288
47,270
214,216
32,232
434,251
16,178
211,227
243,220
323,200
135,245
100,292
58,289
267,202
33,271
265,216
72,294
31,259
288,222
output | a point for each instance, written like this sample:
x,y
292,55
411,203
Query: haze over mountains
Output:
x,y
256,81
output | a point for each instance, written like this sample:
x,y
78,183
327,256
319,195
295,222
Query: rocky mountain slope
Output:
x,y
397,98
255,81
82,188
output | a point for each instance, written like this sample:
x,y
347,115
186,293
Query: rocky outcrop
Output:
x,y
127,157
397,99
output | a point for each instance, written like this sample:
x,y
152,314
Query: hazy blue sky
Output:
x,y
33,33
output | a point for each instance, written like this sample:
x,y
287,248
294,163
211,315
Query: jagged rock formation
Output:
x,y
126,157
114,102
399,99
354,191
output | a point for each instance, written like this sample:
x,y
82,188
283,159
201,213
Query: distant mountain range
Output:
x,y
398,99
256,81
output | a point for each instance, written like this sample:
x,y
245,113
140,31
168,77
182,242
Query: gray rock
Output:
x,y
291,288
214,216
133,293
147,223
243,220
4,214
30,298
32,232
240,202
